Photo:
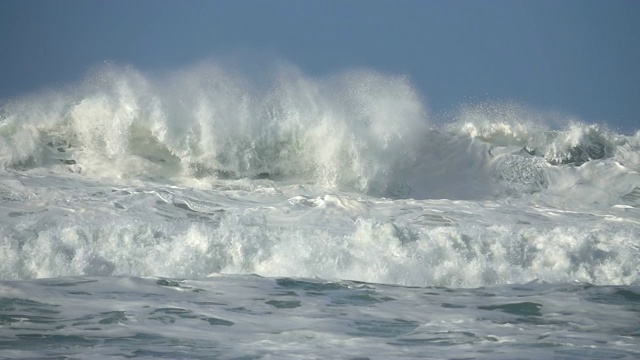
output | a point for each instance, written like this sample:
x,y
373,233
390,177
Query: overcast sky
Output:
x,y
579,57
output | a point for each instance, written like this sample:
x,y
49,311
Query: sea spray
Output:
x,y
217,212
358,131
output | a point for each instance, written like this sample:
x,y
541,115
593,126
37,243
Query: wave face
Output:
x,y
214,170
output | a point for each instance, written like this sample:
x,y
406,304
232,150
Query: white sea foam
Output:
x,y
180,232
206,170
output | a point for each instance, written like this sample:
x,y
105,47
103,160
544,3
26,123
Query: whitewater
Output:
x,y
216,212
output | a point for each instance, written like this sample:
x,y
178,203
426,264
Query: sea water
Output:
x,y
209,213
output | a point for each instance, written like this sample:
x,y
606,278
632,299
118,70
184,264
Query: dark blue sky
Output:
x,y
580,57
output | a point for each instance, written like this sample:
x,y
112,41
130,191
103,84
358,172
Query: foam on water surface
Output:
x,y
65,229
299,196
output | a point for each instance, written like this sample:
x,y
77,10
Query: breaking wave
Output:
x,y
355,131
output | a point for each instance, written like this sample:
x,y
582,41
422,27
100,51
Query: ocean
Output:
x,y
206,213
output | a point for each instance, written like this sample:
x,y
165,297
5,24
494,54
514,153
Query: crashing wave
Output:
x,y
357,131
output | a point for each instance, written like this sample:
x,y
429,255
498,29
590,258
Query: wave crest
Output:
x,y
354,131
513,125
